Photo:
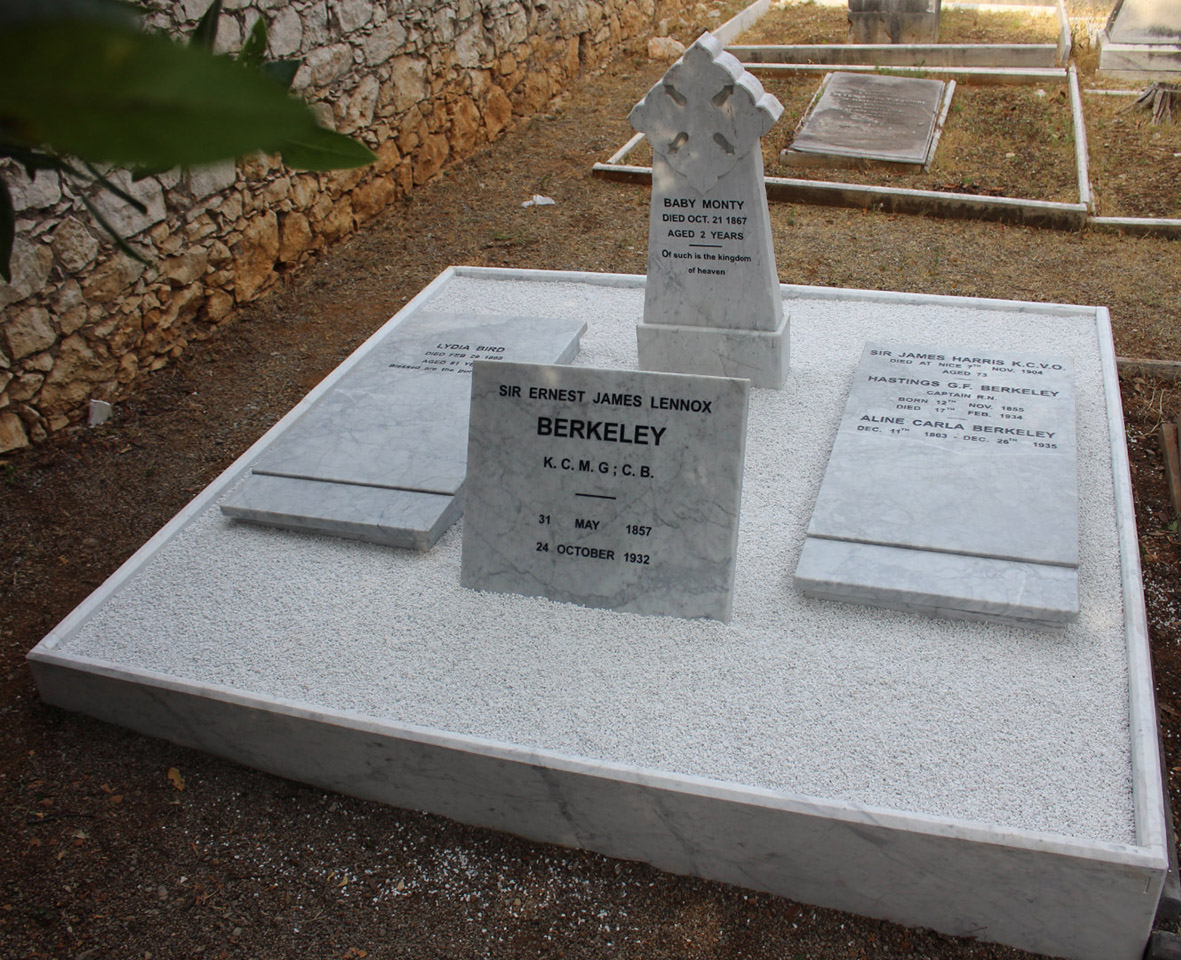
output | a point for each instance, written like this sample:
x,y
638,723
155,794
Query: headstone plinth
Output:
x,y
712,304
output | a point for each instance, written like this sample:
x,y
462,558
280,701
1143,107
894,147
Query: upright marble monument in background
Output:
x,y
894,21
713,304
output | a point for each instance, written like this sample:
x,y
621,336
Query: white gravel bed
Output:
x,y
972,722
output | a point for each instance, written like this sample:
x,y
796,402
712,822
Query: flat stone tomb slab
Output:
x,y
986,781
951,487
607,488
382,456
870,117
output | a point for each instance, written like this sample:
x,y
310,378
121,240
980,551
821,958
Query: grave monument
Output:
x,y
712,304
951,489
894,21
865,119
606,488
1142,39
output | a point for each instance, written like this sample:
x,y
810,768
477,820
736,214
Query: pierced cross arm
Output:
x,y
706,113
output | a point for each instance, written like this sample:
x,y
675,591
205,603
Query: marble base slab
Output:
x,y
1036,595
916,772
1139,61
381,457
755,355
394,518
955,469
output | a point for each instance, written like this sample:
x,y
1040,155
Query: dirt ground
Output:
x,y
118,845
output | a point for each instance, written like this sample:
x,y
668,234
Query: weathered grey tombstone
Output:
x,y
894,21
712,304
861,119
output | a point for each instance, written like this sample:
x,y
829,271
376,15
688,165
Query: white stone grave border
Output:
x,y
1049,893
1041,213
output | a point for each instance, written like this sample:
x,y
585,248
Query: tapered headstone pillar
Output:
x,y
713,304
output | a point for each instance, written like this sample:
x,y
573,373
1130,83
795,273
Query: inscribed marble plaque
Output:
x,y
957,467
606,488
382,456
870,117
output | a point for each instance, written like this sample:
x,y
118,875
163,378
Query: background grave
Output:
x,y
864,120
824,23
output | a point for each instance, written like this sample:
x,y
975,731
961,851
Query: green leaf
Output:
x,y
142,173
107,94
255,47
281,71
206,33
33,159
325,150
7,232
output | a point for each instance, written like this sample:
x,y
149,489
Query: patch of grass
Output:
x,y
1135,164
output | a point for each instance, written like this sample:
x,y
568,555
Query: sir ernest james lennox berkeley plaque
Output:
x,y
606,488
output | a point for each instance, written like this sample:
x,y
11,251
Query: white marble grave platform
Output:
x,y
985,780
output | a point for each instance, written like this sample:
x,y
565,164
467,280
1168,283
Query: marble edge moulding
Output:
x,y
1149,850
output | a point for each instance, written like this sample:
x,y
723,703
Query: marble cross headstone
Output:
x,y
712,303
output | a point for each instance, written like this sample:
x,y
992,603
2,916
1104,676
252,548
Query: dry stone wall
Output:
x,y
422,82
